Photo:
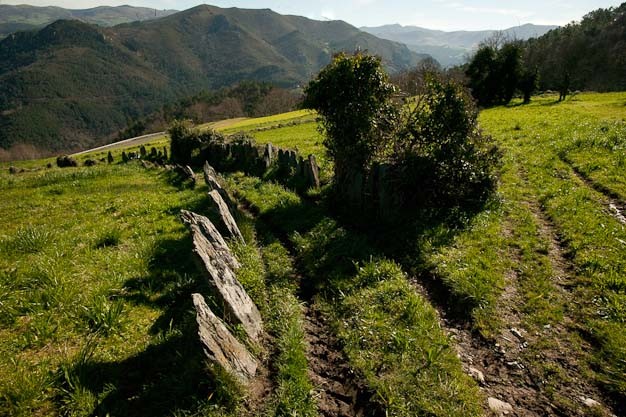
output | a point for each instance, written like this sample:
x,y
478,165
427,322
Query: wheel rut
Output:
x,y
512,366
615,205
338,390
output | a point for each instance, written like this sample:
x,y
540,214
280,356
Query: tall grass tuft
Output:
x,y
104,316
30,239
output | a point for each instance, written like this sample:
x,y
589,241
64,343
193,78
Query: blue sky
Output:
x,y
434,14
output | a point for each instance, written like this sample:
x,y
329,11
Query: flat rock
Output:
x,y
477,375
220,345
226,218
590,402
499,407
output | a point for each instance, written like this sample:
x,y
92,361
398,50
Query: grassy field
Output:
x,y
96,275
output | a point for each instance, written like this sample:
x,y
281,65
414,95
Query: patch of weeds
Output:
x,y
73,397
104,316
20,395
29,239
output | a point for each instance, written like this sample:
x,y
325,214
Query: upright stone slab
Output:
x,y
226,217
312,171
217,248
220,345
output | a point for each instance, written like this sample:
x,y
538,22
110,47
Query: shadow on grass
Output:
x,y
331,241
171,375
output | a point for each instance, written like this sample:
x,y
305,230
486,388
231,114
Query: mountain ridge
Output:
x,y
74,84
23,17
450,47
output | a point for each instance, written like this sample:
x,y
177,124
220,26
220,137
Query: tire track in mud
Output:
x,y
506,368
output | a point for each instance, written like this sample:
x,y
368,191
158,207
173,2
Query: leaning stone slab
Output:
x,y
226,217
210,177
217,247
238,305
220,345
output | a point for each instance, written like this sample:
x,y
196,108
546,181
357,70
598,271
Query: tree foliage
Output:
x,y
495,72
437,154
441,152
353,96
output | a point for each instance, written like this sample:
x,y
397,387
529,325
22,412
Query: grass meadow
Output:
x,y
96,274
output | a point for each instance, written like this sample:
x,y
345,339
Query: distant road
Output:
x,y
139,140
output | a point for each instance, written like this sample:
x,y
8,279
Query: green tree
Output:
x,y
353,96
482,75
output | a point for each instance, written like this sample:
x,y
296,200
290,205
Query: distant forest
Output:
x,y
585,55
591,54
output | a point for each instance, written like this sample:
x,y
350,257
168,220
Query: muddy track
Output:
x,y
509,367
339,391
616,207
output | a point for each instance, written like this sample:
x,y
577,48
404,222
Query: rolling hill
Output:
x,y
449,48
25,17
74,84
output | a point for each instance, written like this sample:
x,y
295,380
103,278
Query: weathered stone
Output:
x,y
226,218
147,164
142,151
218,247
187,172
477,375
312,171
124,157
269,153
238,306
220,345
591,403
14,170
499,407
210,177
89,163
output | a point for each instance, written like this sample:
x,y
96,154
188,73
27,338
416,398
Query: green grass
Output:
x,y
297,116
95,281
539,137
391,334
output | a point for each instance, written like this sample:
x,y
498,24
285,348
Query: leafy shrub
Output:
x,y
353,96
187,141
442,158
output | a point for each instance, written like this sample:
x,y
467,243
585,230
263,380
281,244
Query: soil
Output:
x,y
338,390
512,366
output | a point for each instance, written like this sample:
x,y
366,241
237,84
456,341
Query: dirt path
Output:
x,y
537,371
338,391
136,141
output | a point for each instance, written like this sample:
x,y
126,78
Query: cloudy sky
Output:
x,y
434,14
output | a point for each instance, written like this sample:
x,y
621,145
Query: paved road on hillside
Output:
x,y
136,141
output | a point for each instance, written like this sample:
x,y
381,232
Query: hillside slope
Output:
x,y
449,48
25,17
72,84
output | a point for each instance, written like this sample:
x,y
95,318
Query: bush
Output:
x,y
353,97
442,159
187,141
